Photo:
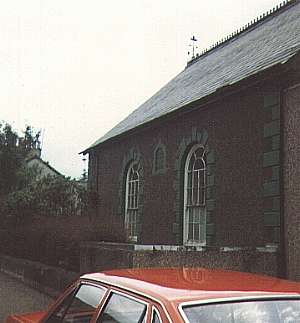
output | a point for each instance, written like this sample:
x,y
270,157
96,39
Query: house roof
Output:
x,y
268,41
42,162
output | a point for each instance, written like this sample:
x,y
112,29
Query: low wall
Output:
x,y
47,279
97,256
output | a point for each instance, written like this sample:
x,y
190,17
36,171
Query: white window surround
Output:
x,y
132,201
194,212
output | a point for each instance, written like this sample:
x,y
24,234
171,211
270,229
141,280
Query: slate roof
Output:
x,y
273,39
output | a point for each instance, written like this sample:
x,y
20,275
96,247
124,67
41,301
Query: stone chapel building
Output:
x,y
213,158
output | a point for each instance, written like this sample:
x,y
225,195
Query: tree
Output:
x,y
23,192
13,151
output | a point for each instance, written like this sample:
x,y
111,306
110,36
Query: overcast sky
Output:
x,y
75,68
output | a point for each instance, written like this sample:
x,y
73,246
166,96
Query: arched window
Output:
x,y
159,159
194,226
132,201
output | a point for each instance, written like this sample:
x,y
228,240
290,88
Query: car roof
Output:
x,y
179,285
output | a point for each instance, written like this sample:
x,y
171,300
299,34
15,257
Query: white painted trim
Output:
x,y
139,247
154,309
228,249
268,248
185,225
131,238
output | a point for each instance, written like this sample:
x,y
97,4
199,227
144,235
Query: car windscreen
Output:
x,y
267,311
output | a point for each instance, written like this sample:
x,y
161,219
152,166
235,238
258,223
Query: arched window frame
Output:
x,y
189,207
132,201
160,149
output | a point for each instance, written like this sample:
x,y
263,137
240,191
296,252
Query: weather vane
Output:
x,y
84,173
193,39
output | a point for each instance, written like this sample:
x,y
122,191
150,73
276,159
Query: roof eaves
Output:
x,y
284,60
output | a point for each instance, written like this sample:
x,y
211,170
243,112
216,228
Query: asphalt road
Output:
x,y
15,297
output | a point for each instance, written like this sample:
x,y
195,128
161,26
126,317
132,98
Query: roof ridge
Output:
x,y
273,40
266,15
46,163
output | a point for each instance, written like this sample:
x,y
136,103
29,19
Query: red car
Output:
x,y
174,295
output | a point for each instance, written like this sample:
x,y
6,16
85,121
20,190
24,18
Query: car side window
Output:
x,y
155,316
123,309
78,307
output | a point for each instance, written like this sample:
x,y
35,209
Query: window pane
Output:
x,y
196,224
121,309
135,176
196,232
59,312
255,312
289,311
195,198
190,234
199,164
195,188
155,318
78,308
89,296
84,304
132,200
191,163
189,196
189,180
246,312
209,313
199,152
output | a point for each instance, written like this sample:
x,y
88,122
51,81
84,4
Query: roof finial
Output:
x,y
193,39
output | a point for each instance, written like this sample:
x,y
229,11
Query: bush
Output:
x,y
49,196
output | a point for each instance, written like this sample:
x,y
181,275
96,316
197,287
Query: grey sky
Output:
x,y
76,68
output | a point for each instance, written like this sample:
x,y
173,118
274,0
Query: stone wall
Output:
x,y
291,177
47,279
98,256
233,131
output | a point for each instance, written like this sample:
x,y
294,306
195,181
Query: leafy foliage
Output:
x,y
40,210
13,151
23,191
47,196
